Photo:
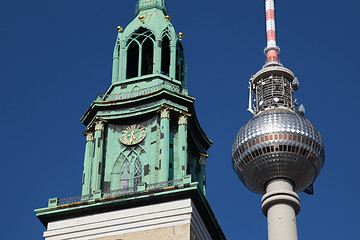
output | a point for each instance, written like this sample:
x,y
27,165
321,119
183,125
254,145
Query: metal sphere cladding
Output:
x,y
278,143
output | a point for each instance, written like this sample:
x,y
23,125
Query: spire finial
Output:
x,y
272,50
149,4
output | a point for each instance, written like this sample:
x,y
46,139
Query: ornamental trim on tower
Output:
x,y
183,120
99,125
202,158
90,136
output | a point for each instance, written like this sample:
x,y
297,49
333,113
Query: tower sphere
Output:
x,y
278,143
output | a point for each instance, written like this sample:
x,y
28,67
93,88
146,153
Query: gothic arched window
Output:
x,y
125,175
131,172
180,63
165,56
137,172
140,53
147,57
132,60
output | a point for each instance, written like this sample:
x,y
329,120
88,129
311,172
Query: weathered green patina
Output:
x,y
150,30
148,91
149,4
143,134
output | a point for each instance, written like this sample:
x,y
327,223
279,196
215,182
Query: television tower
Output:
x,y
278,153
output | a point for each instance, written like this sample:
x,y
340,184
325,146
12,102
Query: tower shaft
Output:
x,y
281,205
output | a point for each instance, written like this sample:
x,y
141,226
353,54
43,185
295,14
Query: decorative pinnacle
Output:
x,y
272,50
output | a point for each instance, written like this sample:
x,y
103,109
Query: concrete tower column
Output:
x,y
98,156
165,143
182,147
281,205
87,163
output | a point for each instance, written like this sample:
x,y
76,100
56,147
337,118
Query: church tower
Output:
x,y
144,164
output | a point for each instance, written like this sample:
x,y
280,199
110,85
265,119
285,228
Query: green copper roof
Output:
x,y
149,4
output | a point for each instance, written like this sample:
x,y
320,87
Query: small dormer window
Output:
x,y
140,53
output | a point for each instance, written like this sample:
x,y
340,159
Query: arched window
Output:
x,y
165,56
180,63
129,170
147,57
125,175
140,53
130,174
137,172
132,60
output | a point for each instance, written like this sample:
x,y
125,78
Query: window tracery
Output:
x,y
125,175
127,171
165,53
140,53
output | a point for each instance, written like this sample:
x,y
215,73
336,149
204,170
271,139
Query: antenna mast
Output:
x,y
272,50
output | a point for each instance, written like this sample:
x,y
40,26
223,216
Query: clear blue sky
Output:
x,y
56,56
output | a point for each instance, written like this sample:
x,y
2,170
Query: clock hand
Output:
x,y
133,138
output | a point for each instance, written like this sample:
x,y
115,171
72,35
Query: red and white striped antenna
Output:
x,y
272,50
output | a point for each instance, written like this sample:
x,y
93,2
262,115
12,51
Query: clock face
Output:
x,y
133,134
